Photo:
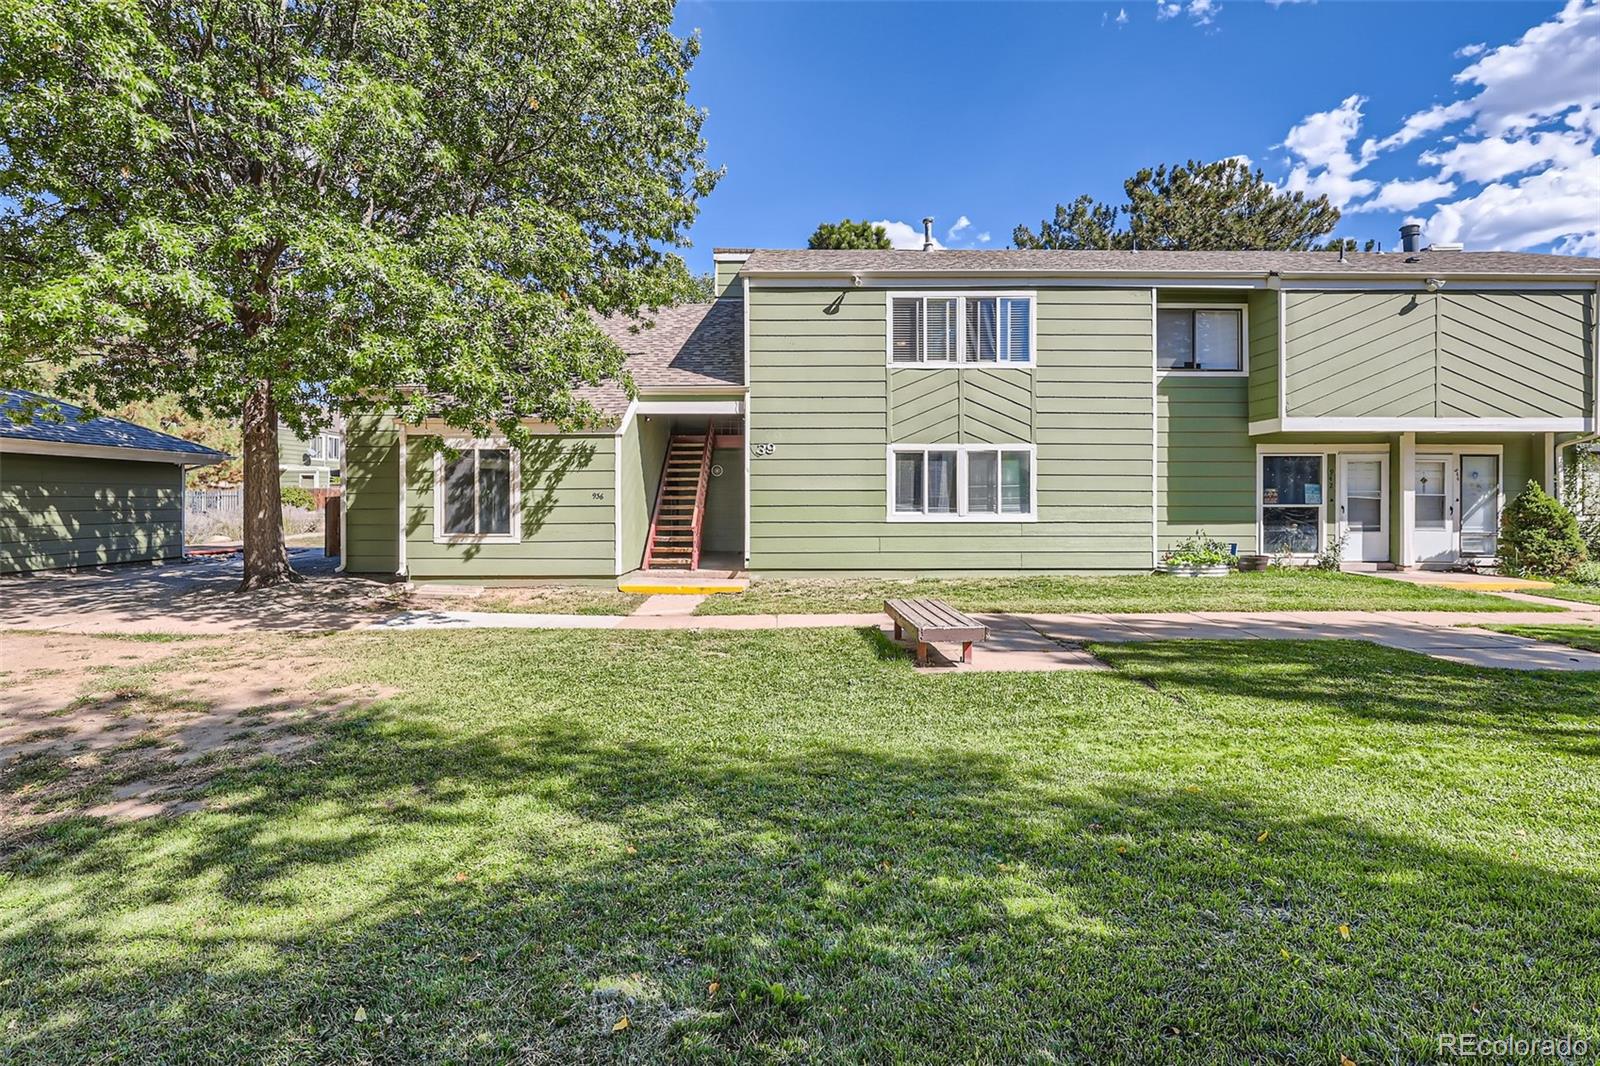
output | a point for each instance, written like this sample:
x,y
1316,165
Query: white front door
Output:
x,y
1364,506
1433,510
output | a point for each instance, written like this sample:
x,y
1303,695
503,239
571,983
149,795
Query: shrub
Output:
x,y
1586,574
295,496
1198,550
1331,557
1538,536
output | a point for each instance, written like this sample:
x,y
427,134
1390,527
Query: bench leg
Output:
x,y
966,652
897,631
922,653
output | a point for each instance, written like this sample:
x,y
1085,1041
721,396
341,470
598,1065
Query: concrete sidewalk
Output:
x,y
1051,641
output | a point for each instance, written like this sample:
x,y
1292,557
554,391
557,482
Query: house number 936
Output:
x,y
763,449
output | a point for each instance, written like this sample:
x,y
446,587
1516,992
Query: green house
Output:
x,y
78,491
1025,411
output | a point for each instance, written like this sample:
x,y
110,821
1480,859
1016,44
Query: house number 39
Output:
x,y
763,449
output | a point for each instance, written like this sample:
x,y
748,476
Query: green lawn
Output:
x,y
1576,593
790,847
1585,638
1270,590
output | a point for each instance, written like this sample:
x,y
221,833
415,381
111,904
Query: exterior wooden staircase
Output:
x,y
679,515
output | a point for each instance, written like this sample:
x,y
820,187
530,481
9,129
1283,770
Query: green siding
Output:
x,y
568,518
292,454
726,279
57,511
724,519
372,495
1206,460
643,449
1446,355
1263,356
821,397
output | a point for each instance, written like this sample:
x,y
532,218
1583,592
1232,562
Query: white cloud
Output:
x,y
1321,142
984,237
1200,12
1404,195
1420,124
1519,152
1494,158
1280,3
1555,206
954,233
1550,69
904,235
1122,16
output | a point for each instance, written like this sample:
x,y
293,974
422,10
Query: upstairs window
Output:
x,y
941,330
1203,339
476,495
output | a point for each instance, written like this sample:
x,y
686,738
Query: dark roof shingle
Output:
x,y
688,346
99,432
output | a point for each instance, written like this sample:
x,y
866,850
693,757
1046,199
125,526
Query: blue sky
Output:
x,y
1478,119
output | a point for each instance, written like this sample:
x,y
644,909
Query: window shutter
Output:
x,y
907,330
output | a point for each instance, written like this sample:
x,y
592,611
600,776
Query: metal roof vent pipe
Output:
x,y
1411,237
927,234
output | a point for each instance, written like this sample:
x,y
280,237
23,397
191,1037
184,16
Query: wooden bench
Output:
x,y
934,622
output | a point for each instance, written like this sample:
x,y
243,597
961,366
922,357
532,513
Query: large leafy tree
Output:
x,y
848,235
274,208
1221,206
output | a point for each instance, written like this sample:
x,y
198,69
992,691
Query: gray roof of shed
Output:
x,y
1322,264
101,432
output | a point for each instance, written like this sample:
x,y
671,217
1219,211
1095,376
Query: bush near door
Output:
x,y
1539,536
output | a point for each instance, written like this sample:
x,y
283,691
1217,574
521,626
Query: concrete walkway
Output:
x,y
1052,641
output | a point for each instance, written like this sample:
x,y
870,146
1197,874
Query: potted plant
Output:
x,y
1198,556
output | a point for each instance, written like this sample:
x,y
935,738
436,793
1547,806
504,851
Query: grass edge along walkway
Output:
x,y
1271,590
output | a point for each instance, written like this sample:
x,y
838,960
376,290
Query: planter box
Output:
x,y
1189,570
1254,562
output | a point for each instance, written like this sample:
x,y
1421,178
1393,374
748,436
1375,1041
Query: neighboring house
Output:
x,y
311,463
1027,411
84,493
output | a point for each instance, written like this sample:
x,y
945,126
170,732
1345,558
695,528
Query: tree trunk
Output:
x,y
266,560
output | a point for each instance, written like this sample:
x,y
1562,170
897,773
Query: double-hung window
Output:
x,y
1200,339
476,495
970,481
940,330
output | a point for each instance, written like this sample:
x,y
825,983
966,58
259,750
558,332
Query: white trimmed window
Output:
x,y
1205,339
476,496
941,329
324,446
967,482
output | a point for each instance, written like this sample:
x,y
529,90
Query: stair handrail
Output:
x,y
655,512
700,493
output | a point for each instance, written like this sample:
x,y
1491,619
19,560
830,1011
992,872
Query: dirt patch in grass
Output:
x,y
531,599
130,728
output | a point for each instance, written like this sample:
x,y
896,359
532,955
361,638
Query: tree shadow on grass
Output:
x,y
411,893
1558,710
